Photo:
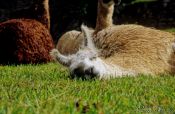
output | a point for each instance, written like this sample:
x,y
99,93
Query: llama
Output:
x,y
24,41
133,55
136,48
87,63
38,10
104,14
70,42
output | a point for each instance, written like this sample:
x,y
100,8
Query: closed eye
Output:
x,y
93,58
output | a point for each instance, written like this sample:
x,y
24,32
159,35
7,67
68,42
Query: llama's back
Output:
x,y
135,47
70,42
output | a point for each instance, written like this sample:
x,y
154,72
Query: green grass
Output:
x,y
47,89
170,30
139,1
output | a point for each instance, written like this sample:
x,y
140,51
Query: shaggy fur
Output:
x,y
24,41
139,48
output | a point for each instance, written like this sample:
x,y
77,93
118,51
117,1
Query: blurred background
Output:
x,y
70,14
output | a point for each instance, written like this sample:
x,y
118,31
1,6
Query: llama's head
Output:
x,y
85,62
105,12
110,2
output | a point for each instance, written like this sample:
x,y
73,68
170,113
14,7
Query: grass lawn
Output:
x,y
171,30
47,89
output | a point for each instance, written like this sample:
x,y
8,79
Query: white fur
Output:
x,y
173,46
56,55
107,71
88,42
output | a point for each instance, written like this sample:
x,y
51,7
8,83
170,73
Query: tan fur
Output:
x,y
46,15
104,15
141,49
69,42
138,48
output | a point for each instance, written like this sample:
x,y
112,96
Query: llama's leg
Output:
x,y
65,60
173,46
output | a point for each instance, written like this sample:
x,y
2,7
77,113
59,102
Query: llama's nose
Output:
x,y
89,71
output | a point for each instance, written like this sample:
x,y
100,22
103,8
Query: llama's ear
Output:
x,y
106,3
87,41
84,31
117,2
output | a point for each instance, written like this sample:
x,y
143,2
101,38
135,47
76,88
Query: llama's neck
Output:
x,y
41,11
46,13
104,15
107,71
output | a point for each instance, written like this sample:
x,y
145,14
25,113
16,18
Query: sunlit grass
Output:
x,y
138,1
170,30
47,89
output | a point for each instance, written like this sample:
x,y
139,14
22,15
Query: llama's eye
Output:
x,y
92,58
